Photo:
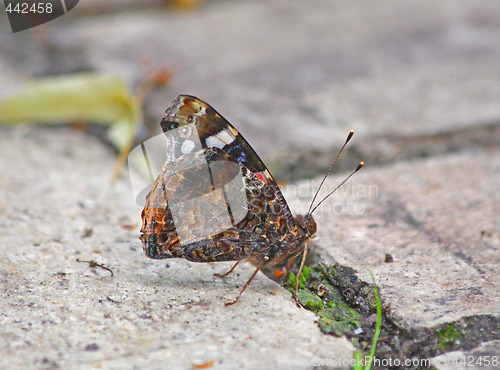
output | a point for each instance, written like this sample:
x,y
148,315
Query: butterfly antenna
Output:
x,y
361,164
349,137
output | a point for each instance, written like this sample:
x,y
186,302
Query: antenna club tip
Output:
x,y
349,137
360,166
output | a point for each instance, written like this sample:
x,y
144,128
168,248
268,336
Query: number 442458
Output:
x,y
25,8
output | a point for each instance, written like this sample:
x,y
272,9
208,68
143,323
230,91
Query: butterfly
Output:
x,y
214,199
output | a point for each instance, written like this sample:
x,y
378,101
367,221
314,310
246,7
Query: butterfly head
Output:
x,y
308,224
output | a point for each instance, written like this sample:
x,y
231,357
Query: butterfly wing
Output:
x,y
214,199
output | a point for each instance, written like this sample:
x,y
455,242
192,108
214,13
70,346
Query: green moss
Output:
x,y
306,273
333,296
304,277
338,320
310,300
332,304
337,328
344,303
336,317
448,337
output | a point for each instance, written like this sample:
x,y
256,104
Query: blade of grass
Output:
x,y
378,324
358,355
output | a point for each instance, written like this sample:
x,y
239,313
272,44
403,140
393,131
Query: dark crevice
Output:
x,y
301,163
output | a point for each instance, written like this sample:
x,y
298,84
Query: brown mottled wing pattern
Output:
x,y
263,224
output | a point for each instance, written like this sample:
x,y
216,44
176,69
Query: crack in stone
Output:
x,y
301,163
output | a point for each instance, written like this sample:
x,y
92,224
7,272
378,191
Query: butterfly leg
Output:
x,y
227,273
297,278
266,258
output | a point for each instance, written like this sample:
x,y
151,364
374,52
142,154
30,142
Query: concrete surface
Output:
x,y
417,80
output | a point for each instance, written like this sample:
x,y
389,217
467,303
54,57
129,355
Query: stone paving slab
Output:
x,y
57,206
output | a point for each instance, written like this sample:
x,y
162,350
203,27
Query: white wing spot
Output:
x,y
187,146
213,141
220,139
226,136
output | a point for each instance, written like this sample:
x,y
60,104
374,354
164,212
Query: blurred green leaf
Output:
x,y
80,97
